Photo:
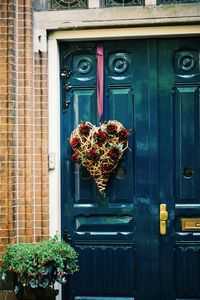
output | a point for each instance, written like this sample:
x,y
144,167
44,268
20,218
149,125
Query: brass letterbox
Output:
x,y
190,224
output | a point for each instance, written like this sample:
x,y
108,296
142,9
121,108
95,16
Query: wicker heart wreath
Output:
x,y
99,149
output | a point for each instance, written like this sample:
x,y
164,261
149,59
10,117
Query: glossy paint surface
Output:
x,y
152,87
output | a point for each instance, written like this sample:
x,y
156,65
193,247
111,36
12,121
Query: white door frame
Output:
x,y
54,92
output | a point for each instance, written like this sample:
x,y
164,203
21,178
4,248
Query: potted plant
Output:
x,y
36,267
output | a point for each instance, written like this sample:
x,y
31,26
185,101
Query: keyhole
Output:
x,y
188,172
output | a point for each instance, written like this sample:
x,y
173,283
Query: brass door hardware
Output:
x,y
163,219
190,224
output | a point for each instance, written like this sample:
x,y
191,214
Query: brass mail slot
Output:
x,y
190,224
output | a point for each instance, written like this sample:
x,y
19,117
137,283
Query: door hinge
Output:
x,y
65,104
65,73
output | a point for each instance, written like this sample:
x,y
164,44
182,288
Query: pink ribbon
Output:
x,y
100,80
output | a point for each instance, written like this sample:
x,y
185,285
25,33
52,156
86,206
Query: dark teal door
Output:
x,y
151,86
179,166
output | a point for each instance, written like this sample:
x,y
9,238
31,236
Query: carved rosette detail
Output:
x,y
119,63
84,65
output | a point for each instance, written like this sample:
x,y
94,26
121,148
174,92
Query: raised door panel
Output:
x,y
187,160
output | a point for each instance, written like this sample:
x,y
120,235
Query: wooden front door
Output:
x,y
152,87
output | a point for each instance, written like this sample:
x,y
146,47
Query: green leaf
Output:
x,y
120,147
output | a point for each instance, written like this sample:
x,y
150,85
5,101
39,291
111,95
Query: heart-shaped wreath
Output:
x,y
99,149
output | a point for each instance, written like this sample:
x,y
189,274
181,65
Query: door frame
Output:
x,y
54,92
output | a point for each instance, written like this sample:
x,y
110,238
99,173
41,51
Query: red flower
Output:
x,y
101,136
114,153
106,168
75,142
123,134
76,158
84,129
93,155
112,128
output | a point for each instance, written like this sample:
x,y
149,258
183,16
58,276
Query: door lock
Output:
x,y
163,219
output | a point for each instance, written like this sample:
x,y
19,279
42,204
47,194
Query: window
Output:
x,y
67,4
176,1
111,3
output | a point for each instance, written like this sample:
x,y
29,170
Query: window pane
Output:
x,y
176,1
110,3
67,4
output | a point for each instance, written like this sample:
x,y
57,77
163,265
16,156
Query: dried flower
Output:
x,y
101,136
111,128
84,129
93,155
76,158
106,168
114,153
123,134
75,142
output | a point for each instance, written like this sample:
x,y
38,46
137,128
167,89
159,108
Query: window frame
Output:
x,y
68,5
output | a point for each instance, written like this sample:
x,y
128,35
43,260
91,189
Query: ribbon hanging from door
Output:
x,y
100,80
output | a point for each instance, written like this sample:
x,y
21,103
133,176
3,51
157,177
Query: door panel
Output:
x,y
179,163
119,106
152,87
186,124
102,228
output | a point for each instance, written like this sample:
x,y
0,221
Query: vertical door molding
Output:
x,y
54,136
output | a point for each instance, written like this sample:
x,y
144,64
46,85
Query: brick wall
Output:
x,y
41,224
23,128
7,120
